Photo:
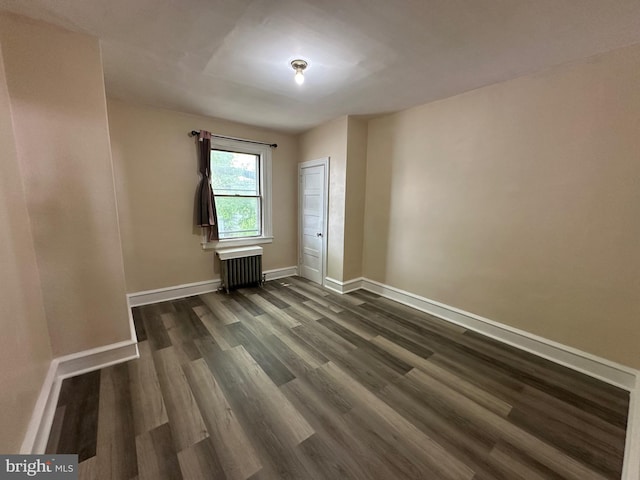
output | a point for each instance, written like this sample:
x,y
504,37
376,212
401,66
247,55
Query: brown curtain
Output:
x,y
206,213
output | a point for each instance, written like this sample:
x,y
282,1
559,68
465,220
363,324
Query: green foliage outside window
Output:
x,y
235,181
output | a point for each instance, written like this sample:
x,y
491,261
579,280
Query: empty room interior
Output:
x,y
303,239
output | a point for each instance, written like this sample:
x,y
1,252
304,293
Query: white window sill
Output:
x,y
236,242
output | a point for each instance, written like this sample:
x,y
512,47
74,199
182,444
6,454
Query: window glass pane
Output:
x,y
238,216
234,173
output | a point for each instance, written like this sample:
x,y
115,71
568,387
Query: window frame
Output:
x,y
264,167
257,194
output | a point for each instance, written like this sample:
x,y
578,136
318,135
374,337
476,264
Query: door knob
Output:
x,y
319,234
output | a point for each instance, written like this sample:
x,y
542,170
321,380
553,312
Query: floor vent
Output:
x,y
240,267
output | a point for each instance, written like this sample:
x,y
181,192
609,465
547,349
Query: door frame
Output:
x,y
324,161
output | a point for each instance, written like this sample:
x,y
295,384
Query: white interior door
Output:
x,y
313,219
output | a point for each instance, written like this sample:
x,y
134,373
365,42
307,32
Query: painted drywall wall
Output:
x,y
25,354
355,197
519,202
156,180
344,141
330,140
56,90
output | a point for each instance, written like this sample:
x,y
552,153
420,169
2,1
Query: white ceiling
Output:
x,y
230,58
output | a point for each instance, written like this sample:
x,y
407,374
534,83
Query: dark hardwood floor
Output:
x,y
291,381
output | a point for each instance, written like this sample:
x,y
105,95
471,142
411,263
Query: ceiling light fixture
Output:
x,y
299,66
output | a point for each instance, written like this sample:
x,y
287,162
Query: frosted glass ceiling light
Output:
x,y
299,66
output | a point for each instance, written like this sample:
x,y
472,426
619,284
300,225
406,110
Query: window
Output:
x,y
236,184
241,180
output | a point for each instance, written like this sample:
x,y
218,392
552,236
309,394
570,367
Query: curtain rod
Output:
x,y
272,145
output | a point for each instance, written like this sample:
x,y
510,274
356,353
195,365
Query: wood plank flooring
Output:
x,y
290,381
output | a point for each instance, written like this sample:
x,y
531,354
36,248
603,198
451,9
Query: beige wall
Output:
x,y
344,141
519,202
56,89
355,197
156,180
330,140
25,352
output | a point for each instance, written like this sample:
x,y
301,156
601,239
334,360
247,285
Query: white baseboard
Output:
x,y
94,359
147,297
631,465
40,424
343,287
600,368
35,440
277,273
